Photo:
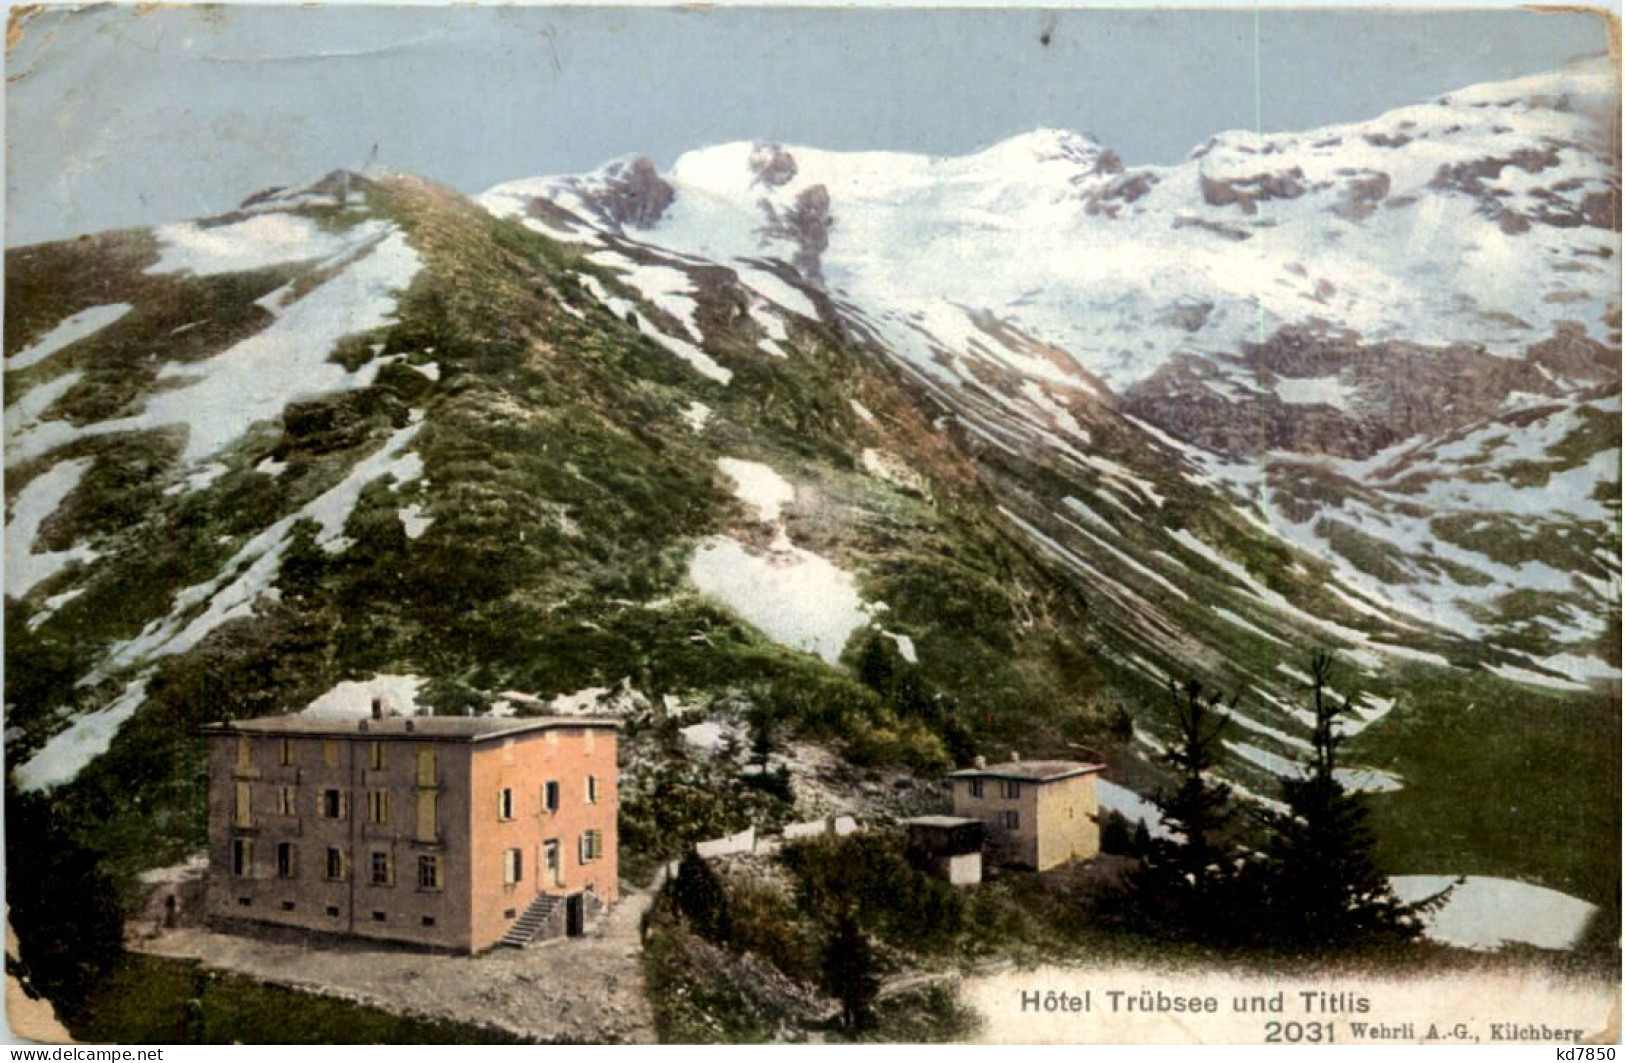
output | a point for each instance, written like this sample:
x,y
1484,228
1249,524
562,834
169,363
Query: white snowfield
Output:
x,y
1131,806
262,240
696,358
352,699
1368,780
697,415
759,486
217,399
793,596
71,330
1486,913
25,569
66,753
1345,223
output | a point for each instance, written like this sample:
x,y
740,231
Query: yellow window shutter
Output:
x,y
427,807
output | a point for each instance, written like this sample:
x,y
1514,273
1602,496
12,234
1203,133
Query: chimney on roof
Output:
x,y
1015,756
377,707
980,762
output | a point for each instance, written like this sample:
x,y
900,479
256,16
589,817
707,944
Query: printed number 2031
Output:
x,y
1313,1033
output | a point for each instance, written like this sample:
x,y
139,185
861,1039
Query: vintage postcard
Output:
x,y
812,525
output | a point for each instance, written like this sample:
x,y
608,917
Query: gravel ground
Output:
x,y
587,989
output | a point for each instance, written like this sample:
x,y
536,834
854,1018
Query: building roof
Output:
x,y
942,822
432,728
1030,770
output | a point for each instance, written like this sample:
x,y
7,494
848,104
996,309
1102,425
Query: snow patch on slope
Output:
x,y
352,699
35,503
71,330
1486,913
62,758
254,243
795,597
219,398
759,486
253,569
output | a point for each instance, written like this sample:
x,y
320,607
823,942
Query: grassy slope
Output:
x,y
157,1001
567,493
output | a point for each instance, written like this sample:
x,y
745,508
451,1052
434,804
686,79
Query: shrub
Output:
x,y
699,897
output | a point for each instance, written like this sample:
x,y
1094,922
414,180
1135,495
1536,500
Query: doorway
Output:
x,y
575,915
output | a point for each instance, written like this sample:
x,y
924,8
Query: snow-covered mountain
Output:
x,y
1486,217
1027,433
1393,342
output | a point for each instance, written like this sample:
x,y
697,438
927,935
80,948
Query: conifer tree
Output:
x,y
1324,888
699,896
1189,871
849,973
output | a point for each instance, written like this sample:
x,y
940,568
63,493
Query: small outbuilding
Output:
x,y
950,845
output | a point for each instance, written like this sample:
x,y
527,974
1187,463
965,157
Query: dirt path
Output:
x,y
587,989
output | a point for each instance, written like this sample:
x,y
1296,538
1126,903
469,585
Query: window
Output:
x,y
428,809
1012,789
375,756
245,805
377,806
335,865
287,801
335,804
551,864
513,871
287,906
333,909
379,917
426,767
550,796
330,754
1012,820
383,869
428,920
245,755
505,803
592,789
242,857
287,860
976,788
592,846
284,754
429,873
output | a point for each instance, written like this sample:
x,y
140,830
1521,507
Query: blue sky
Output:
x,y
116,118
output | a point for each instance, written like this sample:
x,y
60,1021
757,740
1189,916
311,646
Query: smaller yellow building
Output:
x,y
1038,813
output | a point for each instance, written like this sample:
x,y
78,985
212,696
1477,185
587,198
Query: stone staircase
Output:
x,y
530,923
